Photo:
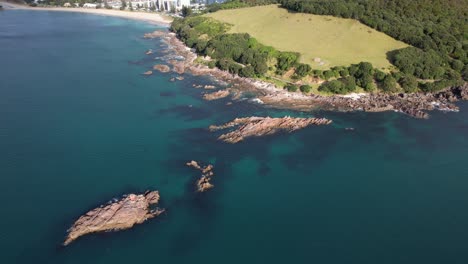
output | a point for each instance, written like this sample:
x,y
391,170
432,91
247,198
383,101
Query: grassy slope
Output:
x,y
335,41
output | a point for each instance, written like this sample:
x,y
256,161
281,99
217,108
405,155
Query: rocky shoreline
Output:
x,y
117,215
260,126
416,105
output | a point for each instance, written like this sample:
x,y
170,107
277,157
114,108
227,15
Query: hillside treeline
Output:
x,y
237,53
437,30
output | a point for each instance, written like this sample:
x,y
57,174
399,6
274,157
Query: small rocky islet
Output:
x,y
261,126
204,182
116,215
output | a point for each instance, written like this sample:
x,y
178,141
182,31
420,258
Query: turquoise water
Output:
x,y
79,125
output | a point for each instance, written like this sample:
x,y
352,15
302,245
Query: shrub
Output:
x,y
305,88
291,87
409,84
247,71
334,86
389,84
303,69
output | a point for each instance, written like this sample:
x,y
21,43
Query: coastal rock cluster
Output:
x,y
216,95
261,126
162,68
204,182
118,215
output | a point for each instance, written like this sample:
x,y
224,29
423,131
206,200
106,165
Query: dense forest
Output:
x,y
436,30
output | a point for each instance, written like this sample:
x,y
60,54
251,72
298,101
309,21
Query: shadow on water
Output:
x,y
185,112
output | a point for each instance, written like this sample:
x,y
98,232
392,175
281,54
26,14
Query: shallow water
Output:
x,y
79,125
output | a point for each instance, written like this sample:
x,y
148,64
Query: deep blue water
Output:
x,y
79,125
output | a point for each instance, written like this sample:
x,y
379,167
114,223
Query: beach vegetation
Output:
x,y
291,87
186,11
305,88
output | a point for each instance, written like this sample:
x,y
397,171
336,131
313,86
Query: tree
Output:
x,y
465,73
124,5
291,87
303,69
247,71
409,84
286,60
343,72
186,11
457,65
349,83
379,75
334,86
305,88
389,84
328,74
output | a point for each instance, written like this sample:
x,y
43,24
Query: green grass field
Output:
x,y
334,41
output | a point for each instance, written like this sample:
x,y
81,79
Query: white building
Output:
x,y
168,5
88,5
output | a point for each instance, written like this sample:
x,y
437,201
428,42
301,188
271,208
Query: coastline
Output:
x,y
416,104
154,18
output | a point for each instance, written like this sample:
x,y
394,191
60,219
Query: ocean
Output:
x,y
80,125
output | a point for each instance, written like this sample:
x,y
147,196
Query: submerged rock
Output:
x,y
119,215
147,73
261,126
204,182
154,34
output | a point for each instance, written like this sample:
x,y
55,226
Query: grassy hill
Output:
x,y
335,41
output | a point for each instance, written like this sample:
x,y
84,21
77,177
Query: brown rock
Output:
x,y
122,214
216,95
210,87
161,68
261,126
204,182
147,73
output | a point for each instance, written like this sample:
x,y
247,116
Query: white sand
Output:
x,y
143,16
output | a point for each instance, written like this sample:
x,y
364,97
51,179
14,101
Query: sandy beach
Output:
x,y
155,18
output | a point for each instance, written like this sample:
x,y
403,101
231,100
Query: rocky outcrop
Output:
x,y
209,87
147,73
162,68
149,52
204,182
122,214
261,126
216,95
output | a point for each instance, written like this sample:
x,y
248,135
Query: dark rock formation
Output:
x,y
123,214
261,126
